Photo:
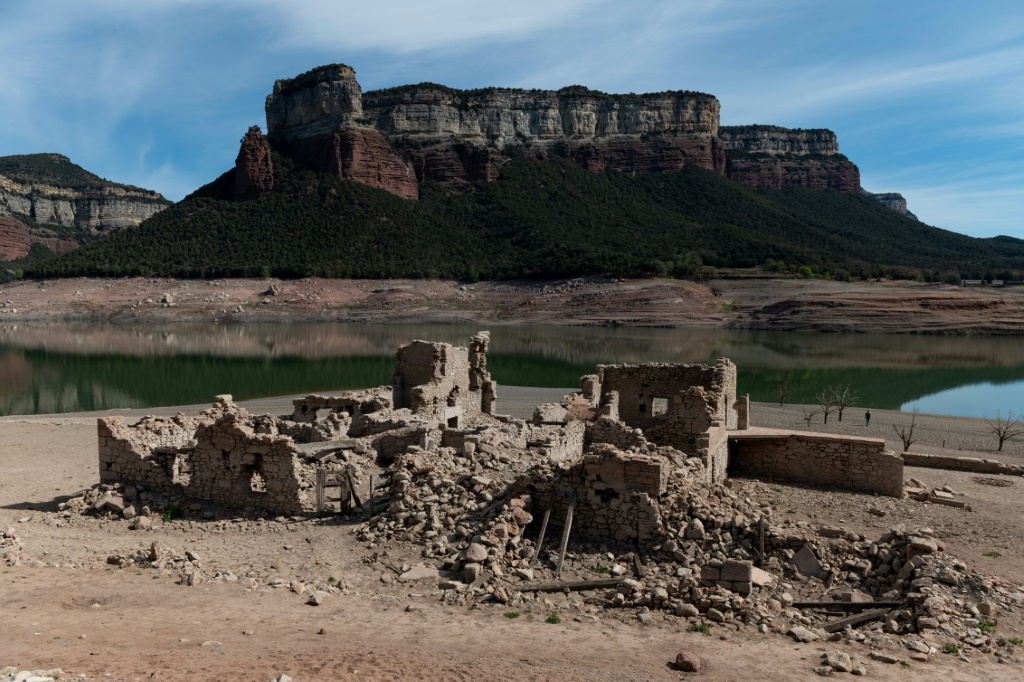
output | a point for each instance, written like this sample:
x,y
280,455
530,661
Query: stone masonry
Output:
x,y
843,462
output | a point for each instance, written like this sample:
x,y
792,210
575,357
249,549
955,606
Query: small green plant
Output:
x,y
172,513
994,555
511,614
553,619
330,579
952,649
1016,641
776,490
987,628
904,664
702,628
600,569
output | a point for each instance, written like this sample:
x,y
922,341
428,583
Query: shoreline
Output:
x,y
899,307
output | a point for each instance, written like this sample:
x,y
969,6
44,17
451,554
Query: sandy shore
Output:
x,y
779,304
76,612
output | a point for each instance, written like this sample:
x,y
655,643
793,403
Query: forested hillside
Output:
x,y
540,218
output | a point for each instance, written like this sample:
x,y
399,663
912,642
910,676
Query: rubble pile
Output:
x,y
12,674
10,547
618,498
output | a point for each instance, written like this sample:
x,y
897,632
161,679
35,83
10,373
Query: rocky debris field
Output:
x,y
804,581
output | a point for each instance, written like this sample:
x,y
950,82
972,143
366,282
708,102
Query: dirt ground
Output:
x,y
76,612
779,304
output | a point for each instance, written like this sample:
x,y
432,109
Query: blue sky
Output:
x,y
927,97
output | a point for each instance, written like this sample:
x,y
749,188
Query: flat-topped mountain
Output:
x,y
46,199
399,137
429,181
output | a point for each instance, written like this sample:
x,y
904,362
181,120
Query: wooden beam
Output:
x,y
540,540
560,586
565,533
839,625
847,605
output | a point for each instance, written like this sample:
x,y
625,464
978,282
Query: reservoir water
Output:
x,y
47,368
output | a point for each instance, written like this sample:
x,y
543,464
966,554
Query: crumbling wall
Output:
x,y
712,447
975,464
617,495
218,458
560,443
613,432
353,404
232,465
394,442
644,388
143,453
689,414
444,382
842,462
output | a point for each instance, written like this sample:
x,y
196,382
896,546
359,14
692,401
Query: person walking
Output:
x,y
867,418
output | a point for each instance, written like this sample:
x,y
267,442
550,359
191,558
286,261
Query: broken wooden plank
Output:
x,y
639,567
540,540
847,605
838,625
565,534
562,585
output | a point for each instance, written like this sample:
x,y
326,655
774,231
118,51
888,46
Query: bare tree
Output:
x,y
843,396
809,416
906,433
1006,429
825,400
783,390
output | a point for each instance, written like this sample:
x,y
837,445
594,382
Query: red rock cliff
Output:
x,y
14,239
254,167
770,157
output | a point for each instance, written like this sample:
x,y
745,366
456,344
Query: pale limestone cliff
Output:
x,y
317,102
96,210
893,201
773,140
500,116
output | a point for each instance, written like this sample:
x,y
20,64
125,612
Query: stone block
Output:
x,y
710,573
806,562
737,571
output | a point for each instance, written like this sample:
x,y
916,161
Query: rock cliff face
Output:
x,y
99,208
893,201
14,239
254,167
770,157
398,137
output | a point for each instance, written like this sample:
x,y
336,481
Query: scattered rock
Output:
x,y
688,662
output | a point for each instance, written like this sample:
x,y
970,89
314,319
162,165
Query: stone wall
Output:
x,y
616,496
222,461
607,430
712,447
444,382
394,442
973,464
838,462
643,388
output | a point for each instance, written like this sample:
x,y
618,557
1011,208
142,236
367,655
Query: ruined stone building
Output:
x,y
622,451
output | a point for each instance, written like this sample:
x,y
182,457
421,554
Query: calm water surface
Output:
x,y
48,368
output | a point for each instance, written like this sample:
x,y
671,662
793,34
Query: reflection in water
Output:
x,y
71,367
